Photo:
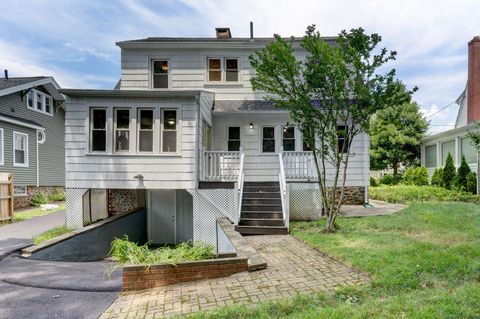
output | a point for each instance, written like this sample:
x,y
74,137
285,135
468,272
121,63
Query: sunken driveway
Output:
x,y
293,267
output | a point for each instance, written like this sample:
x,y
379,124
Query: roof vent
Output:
x,y
6,74
223,33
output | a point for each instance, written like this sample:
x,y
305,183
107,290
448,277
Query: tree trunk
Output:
x,y
395,169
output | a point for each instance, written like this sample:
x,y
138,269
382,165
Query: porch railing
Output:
x,y
241,178
221,166
283,191
299,165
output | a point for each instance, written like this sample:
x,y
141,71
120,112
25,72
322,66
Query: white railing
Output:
x,y
241,178
299,165
220,166
283,191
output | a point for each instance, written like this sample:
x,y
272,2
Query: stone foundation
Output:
x,y
353,195
20,202
121,201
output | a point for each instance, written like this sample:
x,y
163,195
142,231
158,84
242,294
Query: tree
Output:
x,y
330,95
462,174
449,173
395,134
437,177
472,183
475,140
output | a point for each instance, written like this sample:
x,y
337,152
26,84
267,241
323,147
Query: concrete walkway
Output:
x,y
378,208
16,236
293,267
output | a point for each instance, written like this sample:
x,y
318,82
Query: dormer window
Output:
x,y
223,70
40,102
160,74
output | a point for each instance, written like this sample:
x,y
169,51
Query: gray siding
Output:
x,y
52,153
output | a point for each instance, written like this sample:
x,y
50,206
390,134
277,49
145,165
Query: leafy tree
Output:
x,y
437,177
416,176
331,95
396,133
475,138
462,173
472,183
449,173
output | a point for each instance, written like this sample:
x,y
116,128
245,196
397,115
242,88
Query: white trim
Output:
x,y
20,123
43,135
2,147
20,194
169,83
28,85
90,130
228,140
25,150
138,129
115,129
44,97
223,70
177,130
275,138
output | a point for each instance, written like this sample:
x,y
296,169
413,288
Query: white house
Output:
x,y
435,148
184,135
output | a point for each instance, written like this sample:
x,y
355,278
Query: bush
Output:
x,y
472,183
437,177
416,176
373,182
39,199
462,174
58,195
449,173
406,194
389,179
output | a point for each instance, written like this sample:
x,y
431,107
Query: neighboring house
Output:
x,y
32,128
184,135
435,148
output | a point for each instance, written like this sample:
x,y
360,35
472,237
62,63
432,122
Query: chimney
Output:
x,y
223,33
251,30
6,74
473,83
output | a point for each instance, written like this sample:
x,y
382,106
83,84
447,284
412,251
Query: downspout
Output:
x,y
367,164
38,172
197,126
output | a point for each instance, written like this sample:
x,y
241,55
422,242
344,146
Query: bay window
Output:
x,y
169,131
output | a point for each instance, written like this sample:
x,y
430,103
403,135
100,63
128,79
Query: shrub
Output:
x,y
449,173
373,182
462,174
39,199
58,195
406,194
416,176
437,177
389,179
472,183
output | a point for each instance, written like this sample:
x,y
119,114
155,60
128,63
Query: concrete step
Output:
x,y
261,222
262,230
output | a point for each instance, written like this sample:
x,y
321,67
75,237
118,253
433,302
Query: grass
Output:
x,y
52,233
424,263
34,212
407,194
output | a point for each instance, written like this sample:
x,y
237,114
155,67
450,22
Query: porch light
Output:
x,y
171,121
250,126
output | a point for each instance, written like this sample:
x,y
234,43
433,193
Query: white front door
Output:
x,y
161,217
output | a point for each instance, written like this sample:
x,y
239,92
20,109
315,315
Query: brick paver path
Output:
x,y
293,267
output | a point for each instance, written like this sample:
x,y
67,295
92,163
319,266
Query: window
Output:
x,y
160,74
431,156
234,138
145,130
1,147
20,149
231,66
122,130
342,139
288,138
20,191
468,150
40,102
268,139
169,131
214,70
98,134
448,147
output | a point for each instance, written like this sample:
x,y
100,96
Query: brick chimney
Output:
x,y
473,84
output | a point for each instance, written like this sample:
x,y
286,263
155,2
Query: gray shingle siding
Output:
x,y
51,154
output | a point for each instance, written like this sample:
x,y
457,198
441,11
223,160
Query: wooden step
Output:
x,y
261,184
262,215
261,207
261,201
262,189
262,230
261,194
261,222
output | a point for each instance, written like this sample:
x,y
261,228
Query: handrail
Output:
x,y
221,165
299,165
241,178
283,191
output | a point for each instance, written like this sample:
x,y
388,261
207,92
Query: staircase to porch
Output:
x,y
261,210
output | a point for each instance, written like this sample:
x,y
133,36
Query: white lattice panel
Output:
x,y
204,219
74,207
304,201
225,199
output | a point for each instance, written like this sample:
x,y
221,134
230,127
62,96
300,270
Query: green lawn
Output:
x,y
34,212
424,263
52,233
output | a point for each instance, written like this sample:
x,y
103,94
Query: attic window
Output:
x,y
160,74
40,102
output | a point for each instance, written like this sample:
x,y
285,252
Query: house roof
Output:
x,y
11,82
131,93
244,106
20,121
16,84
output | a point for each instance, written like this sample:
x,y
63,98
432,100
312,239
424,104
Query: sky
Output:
x,y
74,40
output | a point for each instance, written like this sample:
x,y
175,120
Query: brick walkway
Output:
x,y
293,267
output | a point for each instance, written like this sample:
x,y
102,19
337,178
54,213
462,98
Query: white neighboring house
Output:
x,y
435,148
184,135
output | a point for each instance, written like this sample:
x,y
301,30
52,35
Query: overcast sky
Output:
x,y
75,40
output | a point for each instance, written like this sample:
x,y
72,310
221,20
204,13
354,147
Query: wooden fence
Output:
x,y
6,196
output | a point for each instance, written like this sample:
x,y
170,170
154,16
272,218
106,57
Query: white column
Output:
x,y
458,157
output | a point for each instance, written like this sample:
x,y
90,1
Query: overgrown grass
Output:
x,y
52,233
127,251
34,212
407,194
424,263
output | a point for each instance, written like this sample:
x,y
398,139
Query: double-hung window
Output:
x,y
122,130
169,131
20,149
342,139
145,130
214,70
234,138
223,70
288,137
98,130
160,74
2,151
268,139
231,70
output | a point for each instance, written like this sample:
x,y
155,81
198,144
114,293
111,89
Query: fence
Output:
x,y
6,196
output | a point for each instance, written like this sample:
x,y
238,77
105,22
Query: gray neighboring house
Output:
x,y
32,135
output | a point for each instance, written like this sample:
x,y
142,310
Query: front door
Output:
x,y
161,217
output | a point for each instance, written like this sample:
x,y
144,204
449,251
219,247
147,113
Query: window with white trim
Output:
x,y
20,149
169,131
223,69
40,102
342,139
160,74
1,148
145,130
20,191
233,138
431,155
122,130
268,139
288,138
98,130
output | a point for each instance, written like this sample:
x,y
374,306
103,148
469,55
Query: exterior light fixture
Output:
x,y
251,126
171,121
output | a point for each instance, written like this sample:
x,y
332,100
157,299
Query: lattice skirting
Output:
x,y
225,199
74,207
304,201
